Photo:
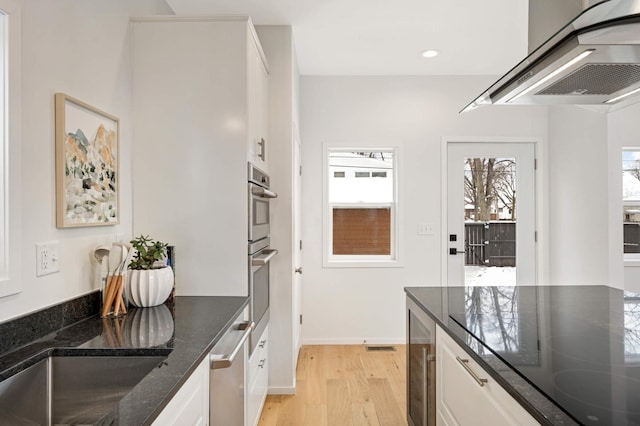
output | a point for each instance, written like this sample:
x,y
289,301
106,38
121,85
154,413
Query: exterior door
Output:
x,y
491,225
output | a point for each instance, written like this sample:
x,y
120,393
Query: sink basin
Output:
x,y
71,390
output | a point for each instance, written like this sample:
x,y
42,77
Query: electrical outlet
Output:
x,y
47,259
425,229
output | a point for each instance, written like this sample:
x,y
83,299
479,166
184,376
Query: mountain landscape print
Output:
x,y
87,160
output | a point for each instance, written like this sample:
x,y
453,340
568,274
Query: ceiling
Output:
x,y
387,37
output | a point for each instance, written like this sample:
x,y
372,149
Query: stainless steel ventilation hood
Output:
x,y
593,60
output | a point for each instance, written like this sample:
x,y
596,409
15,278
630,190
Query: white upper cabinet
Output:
x,y
258,99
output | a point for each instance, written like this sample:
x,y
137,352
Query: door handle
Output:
x,y
454,251
299,270
261,192
263,258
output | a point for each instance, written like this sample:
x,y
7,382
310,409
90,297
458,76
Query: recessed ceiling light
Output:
x,y
431,53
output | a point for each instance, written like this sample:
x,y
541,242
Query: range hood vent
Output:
x,y
596,79
593,60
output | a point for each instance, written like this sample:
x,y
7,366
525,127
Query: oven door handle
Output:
x,y
261,192
264,257
224,361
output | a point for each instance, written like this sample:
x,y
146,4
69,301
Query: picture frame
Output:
x,y
87,164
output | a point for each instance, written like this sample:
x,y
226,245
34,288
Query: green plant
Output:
x,y
148,253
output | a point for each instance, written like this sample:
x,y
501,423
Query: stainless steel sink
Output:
x,y
70,390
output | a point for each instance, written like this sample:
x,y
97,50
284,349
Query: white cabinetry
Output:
x,y
258,379
467,395
283,156
258,97
190,405
198,86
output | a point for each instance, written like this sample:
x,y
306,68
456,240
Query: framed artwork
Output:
x,y
87,165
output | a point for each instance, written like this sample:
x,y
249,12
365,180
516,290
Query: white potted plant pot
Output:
x,y
148,287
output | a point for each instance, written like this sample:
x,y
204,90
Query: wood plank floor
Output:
x,y
343,385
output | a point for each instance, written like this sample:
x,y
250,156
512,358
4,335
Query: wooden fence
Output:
x,y
490,243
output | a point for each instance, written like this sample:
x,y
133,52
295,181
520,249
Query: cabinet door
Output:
x,y
190,405
258,99
258,379
421,367
263,78
461,400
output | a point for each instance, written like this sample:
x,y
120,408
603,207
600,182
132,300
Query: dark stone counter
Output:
x,y
182,337
569,354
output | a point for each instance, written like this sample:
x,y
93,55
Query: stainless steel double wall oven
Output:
x,y
260,253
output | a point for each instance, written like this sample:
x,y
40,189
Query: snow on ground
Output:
x,y
489,275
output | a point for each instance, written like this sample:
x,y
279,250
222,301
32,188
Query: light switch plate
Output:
x,y
47,258
425,228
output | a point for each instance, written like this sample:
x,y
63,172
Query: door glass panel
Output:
x,y
490,221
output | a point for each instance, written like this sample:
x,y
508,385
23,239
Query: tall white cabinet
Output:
x,y
285,323
200,89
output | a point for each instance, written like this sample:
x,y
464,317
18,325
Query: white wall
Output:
x,y
80,48
348,305
578,195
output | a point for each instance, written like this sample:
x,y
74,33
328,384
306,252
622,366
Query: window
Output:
x,y
10,159
361,212
631,202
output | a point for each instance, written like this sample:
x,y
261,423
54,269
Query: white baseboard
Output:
x,y
282,390
354,341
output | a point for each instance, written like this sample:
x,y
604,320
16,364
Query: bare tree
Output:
x,y
488,180
505,184
479,189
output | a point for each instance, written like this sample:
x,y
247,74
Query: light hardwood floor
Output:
x,y
343,385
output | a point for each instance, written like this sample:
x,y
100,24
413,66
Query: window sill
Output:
x,y
363,264
632,262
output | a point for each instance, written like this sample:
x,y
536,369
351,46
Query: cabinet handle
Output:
x,y
262,343
262,144
425,381
465,365
223,360
262,362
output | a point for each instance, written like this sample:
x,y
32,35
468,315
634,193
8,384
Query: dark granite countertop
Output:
x,y
569,354
182,337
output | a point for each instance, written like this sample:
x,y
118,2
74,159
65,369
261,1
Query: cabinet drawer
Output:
x,y
462,400
259,357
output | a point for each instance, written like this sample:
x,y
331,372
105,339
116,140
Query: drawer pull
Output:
x,y
262,362
224,360
262,343
465,365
